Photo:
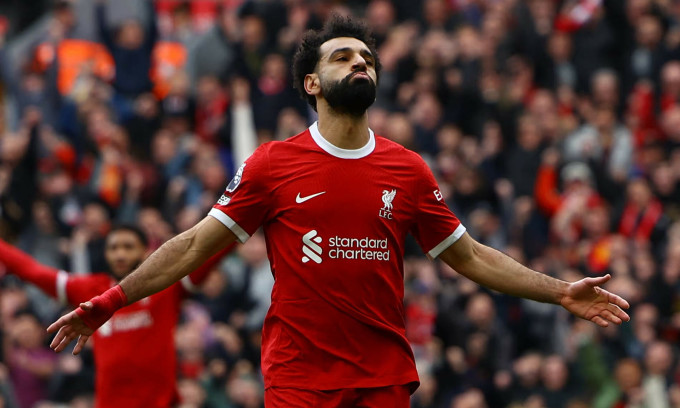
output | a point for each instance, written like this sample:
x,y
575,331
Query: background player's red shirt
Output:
x,y
335,221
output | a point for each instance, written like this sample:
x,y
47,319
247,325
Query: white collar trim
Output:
x,y
333,150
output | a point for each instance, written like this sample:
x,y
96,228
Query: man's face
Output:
x,y
124,252
347,74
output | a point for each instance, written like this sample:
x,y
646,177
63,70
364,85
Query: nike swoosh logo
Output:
x,y
301,200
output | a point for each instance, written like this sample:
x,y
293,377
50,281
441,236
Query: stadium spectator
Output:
x,y
131,47
30,363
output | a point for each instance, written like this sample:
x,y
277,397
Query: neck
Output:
x,y
341,130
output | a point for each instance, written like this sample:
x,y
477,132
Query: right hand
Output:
x,y
70,327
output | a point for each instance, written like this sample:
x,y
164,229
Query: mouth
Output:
x,y
360,74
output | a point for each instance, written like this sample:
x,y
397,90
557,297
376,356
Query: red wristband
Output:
x,y
103,307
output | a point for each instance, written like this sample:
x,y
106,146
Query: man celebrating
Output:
x,y
134,351
336,203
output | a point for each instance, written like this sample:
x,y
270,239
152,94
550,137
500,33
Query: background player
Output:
x,y
334,335
134,350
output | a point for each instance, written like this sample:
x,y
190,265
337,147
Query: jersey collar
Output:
x,y
342,153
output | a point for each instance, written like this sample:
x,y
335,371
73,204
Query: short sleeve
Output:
x,y
435,226
244,204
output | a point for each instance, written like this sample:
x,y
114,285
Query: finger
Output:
x,y
609,316
58,338
86,305
66,341
598,281
617,300
62,345
81,343
620,313
57,325
599,321
62,341
67,335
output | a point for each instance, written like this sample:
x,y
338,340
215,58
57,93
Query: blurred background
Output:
x,y
553,128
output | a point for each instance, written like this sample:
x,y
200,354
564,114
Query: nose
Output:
x,y
359,63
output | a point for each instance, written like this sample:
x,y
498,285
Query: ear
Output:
x,y
312,84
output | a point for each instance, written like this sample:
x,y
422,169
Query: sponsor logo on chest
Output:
x,y
366,248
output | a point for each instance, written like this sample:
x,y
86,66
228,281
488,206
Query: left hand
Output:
x,y
587,300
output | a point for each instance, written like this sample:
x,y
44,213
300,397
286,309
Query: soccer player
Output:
x,y
336,203
134,351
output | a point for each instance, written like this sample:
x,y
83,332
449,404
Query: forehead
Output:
x,y
342,42
120,236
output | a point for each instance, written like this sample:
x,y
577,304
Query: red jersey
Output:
x,y
134,351
335,221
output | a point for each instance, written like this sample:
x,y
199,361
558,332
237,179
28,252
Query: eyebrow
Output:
x,y
363,52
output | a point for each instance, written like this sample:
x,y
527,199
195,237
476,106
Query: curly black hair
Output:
x,y
307,55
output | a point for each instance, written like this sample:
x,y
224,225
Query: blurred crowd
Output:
x,y
552,126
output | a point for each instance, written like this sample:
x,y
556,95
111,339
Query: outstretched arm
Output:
x,y
499,272
172,261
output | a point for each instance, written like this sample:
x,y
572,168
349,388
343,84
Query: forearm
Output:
x,y
27,269
495,270
174,260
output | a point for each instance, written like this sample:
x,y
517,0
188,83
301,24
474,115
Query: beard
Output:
x,y
350,96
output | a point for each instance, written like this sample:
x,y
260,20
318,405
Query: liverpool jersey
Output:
x,y
335,221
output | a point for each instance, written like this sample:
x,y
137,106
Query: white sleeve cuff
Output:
x,y
240,233
188,285
447,242
62,279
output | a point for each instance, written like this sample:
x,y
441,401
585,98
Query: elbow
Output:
x,y
474,252
464,256
469,265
